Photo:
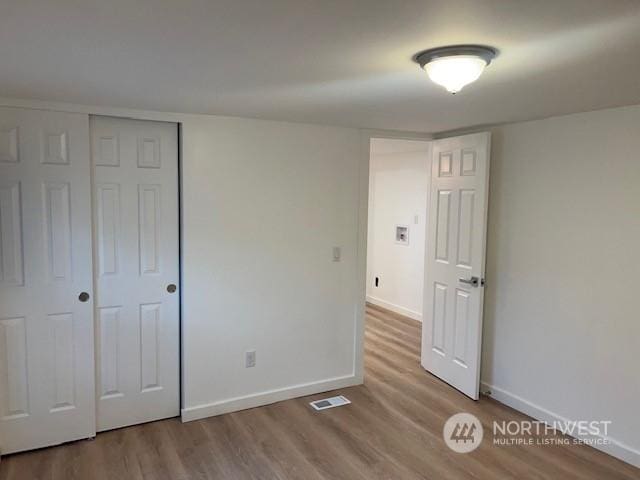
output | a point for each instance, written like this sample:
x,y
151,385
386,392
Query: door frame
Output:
x,y
363,231
178,126
362,255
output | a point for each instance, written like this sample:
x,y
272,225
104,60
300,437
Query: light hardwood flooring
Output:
x,y
393,430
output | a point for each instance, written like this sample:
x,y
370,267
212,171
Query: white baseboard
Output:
x,y
395,308
265,398
614,447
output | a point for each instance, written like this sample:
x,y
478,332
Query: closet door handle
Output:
x,y
83,297
171,288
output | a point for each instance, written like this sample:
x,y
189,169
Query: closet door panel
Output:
x,y
46,332
136,246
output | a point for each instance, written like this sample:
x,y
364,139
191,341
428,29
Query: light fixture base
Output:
x,y
481,51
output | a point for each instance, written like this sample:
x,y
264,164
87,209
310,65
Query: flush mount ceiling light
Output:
x,y
455,66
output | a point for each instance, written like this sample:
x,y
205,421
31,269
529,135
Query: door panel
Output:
x,y
46,333
11,259
136,237
455,253
15,388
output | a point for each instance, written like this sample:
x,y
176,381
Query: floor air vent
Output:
x,y
330,402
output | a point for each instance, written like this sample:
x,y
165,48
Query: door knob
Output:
x,y
171,288
83,297
473,281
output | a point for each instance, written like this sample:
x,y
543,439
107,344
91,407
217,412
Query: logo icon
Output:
x,y
463,432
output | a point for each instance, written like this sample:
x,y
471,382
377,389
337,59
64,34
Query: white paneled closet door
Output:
x,y
136,257
46,321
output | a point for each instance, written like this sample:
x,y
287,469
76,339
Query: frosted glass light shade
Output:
x,y
456,71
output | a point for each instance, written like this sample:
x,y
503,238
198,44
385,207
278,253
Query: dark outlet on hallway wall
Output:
x,y
377,281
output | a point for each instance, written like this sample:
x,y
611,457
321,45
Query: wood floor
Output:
x,y
393,430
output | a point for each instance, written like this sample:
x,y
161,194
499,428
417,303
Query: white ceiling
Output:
x,y
341,62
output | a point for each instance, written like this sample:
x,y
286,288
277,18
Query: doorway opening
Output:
x,y
427,217
396,236
398,192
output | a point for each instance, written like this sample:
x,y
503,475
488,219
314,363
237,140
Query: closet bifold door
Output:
x,y
135,188
47,393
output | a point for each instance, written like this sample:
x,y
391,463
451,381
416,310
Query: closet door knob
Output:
x,y
171,288
83,297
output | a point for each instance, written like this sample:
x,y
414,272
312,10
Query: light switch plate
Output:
x,y
250,359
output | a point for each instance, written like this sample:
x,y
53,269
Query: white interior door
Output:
x,y
136,257
454,261
46,332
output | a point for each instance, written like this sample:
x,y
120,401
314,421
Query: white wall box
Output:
x,y
402,234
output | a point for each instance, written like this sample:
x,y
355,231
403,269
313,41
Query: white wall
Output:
x,y
562,333
561,323
398,185
263,204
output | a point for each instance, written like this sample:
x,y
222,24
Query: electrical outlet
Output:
x,y
250,359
